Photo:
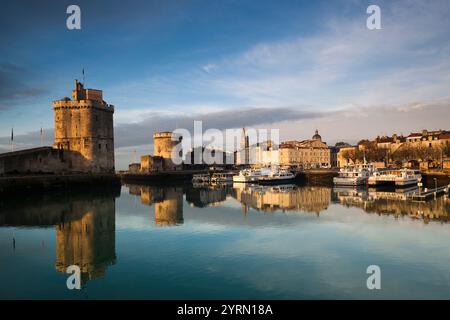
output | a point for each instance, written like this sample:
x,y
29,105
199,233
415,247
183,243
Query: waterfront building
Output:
x,y
426,149
438,138
345,156
312,153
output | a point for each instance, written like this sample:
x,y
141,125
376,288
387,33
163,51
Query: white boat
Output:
x,y
399,178
221,177
251,175
354,175
277,176
408,177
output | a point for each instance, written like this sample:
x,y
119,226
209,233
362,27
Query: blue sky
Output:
x,y
165,63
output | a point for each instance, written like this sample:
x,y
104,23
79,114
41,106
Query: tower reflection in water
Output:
x,y
84,223
167,203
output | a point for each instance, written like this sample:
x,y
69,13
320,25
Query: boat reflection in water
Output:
x,y
167,202
283,198
84,224
397,203
209,228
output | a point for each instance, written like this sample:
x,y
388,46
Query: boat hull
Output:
x,y
349,181
276,181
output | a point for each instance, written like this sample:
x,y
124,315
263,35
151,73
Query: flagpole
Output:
x,y
42,140
12,139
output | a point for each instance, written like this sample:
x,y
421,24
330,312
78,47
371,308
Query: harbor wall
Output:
x,y
39,183
43,160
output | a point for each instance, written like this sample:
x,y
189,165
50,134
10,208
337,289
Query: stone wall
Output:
x,y
42,160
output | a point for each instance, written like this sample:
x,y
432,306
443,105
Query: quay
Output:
x,y
44,182
163,177
428,194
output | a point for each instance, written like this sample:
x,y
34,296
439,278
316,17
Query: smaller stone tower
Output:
x,y
163,145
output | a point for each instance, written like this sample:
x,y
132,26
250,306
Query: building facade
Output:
x,y
306,154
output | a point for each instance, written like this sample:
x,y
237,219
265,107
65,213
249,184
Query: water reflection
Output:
x,y
211,230
394,202
168,201
84,224
283,198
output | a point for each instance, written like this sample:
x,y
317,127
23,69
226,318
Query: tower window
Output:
x,y
99,146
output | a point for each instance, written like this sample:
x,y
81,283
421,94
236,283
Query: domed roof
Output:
x,y
317,136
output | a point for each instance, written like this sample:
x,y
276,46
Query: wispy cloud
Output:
x,y
14,87
209,67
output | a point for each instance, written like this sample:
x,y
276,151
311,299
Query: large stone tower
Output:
x,y
84,125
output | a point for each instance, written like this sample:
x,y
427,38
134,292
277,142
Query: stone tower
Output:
x,y
164,144
84,125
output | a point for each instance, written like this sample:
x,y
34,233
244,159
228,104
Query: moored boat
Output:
x,y
251,175
222,177
395,177
277,176
354,175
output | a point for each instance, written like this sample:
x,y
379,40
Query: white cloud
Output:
x,y
209,67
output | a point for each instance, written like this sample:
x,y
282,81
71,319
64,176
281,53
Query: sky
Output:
x,y
292,65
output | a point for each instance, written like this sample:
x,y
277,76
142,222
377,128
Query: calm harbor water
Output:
x,y
242,242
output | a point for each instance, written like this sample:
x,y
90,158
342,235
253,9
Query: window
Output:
x,y
99,146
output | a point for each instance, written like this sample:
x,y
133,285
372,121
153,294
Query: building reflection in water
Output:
x,y
87,241
84,223
167,203
283,198
204,196
394,202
